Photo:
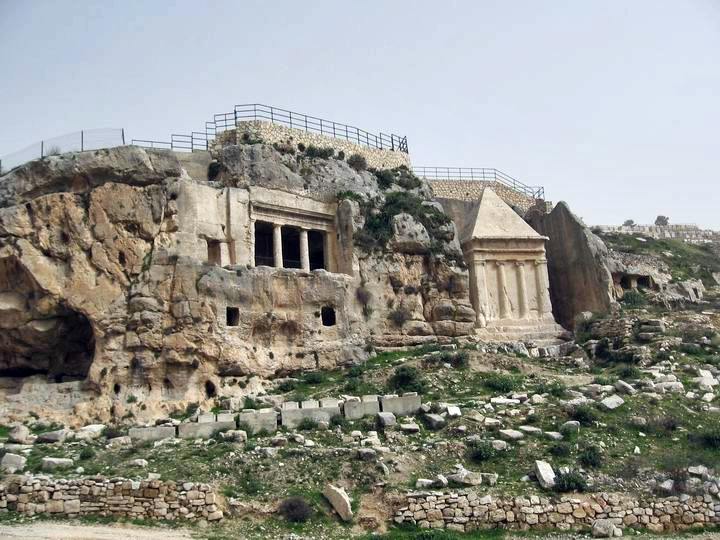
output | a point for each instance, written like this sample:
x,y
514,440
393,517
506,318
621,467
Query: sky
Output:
x,y
612,105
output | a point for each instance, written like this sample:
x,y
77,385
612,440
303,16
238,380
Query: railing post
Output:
x,y
122,132
290,119
42,149
82,140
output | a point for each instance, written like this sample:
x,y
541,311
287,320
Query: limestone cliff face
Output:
x,y
580,279
109,309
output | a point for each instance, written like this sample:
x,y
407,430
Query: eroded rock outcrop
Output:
x,y
130,287
580,279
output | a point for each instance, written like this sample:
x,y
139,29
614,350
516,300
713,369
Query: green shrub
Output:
x,y
384,178
214,170
284,148
406,179
307,424
554,388
295,510
249,138
591,456
481,451
400,315
628,372
247,428
585,414
709,438
662,424
408,379
338,420
357,162
501,382
313,151
87,453
250,403
132,398
287,386
110,432
458,360
570,481
350,195
560,449
633,299
378,221
314,377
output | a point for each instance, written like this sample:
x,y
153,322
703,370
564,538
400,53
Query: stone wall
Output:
x,y
467,510
471,190
117,497
687,232
270,133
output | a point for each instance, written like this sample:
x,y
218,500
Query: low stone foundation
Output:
x,y
117,497
468,510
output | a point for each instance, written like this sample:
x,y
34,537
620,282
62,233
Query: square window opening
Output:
x,y
232,316
327,314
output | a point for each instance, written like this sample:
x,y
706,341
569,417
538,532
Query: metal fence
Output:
x,y
88,139
200,140
479,174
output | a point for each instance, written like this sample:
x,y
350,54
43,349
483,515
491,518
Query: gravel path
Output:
x,y
46,530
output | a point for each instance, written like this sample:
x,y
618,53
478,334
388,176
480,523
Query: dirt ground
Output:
x,y
47,530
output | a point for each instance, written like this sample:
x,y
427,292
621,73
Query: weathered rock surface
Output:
x,y
339,501
110,304
580,279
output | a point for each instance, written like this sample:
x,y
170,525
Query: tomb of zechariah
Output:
x,y
165,277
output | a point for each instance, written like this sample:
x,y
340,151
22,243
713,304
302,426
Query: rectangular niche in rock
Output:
x,y
232,317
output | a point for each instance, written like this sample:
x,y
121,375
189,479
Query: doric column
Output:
x,y
252,243
522,290
304,250
277,246
502,288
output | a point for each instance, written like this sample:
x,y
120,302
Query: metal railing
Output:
x,y
479,174
78,141
199,140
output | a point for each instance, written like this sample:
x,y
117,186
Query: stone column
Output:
x,y
304,250
541,286
480,293
502,288
522,290
251,243
277,246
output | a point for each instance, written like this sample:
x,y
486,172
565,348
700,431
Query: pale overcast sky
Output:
x,y
612,105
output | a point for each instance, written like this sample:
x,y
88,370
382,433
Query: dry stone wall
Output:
x,y
468,510
117,497
471,190
270,133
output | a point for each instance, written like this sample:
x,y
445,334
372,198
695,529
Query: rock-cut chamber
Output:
x,y
40,334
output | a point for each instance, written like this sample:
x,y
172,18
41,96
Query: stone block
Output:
x,y
203,430
226,417
206,417
259,420
356,408
291,418
151,433
404,405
